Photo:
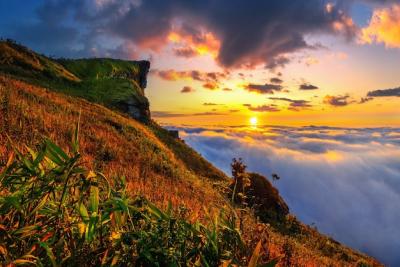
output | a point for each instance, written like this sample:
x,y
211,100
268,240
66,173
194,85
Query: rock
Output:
x,y
174,133
136,107
144,67
265,198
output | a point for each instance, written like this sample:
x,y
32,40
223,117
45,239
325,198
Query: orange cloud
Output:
x,y
194,75
189,45
211,85
187,89
384,27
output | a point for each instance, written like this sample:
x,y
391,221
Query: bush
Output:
x,y
55,212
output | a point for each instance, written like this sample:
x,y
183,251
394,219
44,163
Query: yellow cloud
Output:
x,y
384,27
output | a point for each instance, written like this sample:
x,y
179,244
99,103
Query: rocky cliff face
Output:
x,y
137,106
144,67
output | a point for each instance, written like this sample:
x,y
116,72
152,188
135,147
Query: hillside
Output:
x,y
44,98
114,83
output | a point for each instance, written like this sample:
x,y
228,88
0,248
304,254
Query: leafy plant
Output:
x,y
55,212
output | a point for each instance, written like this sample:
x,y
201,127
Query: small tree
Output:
x,y
240,177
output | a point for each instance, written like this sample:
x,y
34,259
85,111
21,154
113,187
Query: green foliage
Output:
x,y
55,212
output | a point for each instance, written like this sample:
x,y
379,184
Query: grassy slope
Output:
x,y
92,79
159,167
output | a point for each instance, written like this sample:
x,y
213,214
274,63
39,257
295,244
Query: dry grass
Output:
x,y
118,146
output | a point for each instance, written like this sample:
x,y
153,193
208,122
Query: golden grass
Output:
x,y
119,146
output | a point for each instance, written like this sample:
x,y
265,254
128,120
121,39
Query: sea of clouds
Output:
x,y
346,181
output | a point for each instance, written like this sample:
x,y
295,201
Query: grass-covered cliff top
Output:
x,y
109,82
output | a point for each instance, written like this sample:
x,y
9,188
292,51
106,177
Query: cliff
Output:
x,y
117,84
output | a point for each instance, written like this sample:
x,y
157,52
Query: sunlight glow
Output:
x,y
253,121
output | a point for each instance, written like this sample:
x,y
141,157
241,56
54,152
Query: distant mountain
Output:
x,y
43,97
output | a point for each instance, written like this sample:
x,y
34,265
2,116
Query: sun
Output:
x,y
253,121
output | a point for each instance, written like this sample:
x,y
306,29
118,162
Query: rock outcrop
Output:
x,y
262,197
137,106
144,67
265,199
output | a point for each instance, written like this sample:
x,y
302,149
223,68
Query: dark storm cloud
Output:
x,y
307,86
263,88
346,176
385,92
249,32
49,35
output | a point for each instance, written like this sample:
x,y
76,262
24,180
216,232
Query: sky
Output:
x,y
316,62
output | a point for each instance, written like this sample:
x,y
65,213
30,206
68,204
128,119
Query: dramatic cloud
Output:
x,y
210,104
263,88
346,181
263,108
337,101
194,41
187,89
238,34
307,86
384,27
385,92
295,105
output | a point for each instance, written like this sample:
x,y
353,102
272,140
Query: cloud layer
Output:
x,y
346,181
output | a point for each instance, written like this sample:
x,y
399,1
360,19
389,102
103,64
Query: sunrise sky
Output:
x,y
284,62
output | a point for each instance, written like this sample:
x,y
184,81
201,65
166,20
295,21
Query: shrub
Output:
x,y
55,212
